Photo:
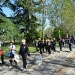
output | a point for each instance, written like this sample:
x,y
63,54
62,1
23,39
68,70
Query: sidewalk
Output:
x,y
68,68
51,64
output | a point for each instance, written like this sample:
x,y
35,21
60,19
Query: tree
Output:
x,y
1,5
8,29
24,14
62,14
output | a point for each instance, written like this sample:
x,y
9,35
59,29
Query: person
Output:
x,y
2,55
46,45
1,43
51,44
63,42
70,41
49,47
43,45
24,52
60,44
40,45
12,49
54,45
36,45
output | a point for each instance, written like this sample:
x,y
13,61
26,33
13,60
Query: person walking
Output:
x,y
24,52
12,51
1,43
60,44
2,55
49,47
46,45
43,46
70,41
36,45
40,45
54,45
63,40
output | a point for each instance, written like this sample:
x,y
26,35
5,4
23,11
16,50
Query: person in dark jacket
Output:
x,y
40,45
43,45
46,45
51,44
70,41
60,44
54,44
49,47
24,51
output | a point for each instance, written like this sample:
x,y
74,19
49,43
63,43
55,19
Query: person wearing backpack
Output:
x,y
12,53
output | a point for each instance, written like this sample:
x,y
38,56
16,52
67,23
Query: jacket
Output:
x,y
24,51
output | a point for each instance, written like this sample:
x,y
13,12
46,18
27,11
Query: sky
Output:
x,y
8,12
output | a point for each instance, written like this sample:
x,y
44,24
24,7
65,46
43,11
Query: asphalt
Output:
x,y
59,63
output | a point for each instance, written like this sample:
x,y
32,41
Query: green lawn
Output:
x,y
32,49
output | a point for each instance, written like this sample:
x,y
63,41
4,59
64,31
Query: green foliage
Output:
x,y
25,16
62,15
56,33
10,29
32,49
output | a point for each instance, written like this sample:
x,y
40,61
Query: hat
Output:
x,y
23,40
48,40
12,41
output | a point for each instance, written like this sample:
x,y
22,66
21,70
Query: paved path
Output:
x,y
54,64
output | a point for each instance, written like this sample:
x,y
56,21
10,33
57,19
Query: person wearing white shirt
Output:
x,y
1,43
12,49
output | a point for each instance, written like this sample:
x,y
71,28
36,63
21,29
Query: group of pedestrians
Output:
x,y
45,45
49,45
69,41
23,52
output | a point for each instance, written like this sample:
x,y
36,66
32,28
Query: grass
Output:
x,y
57,44
32,48
5,49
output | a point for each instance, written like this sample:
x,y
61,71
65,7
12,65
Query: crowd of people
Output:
x,y
48,45
23,52
45,45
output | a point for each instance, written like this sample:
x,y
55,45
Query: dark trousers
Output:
x,y
11,60
43,49
46,48
54,48
70,47
2,58
40,50
60,47
49,51
24,63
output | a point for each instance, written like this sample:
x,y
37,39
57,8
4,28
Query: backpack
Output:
x,y
10,55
